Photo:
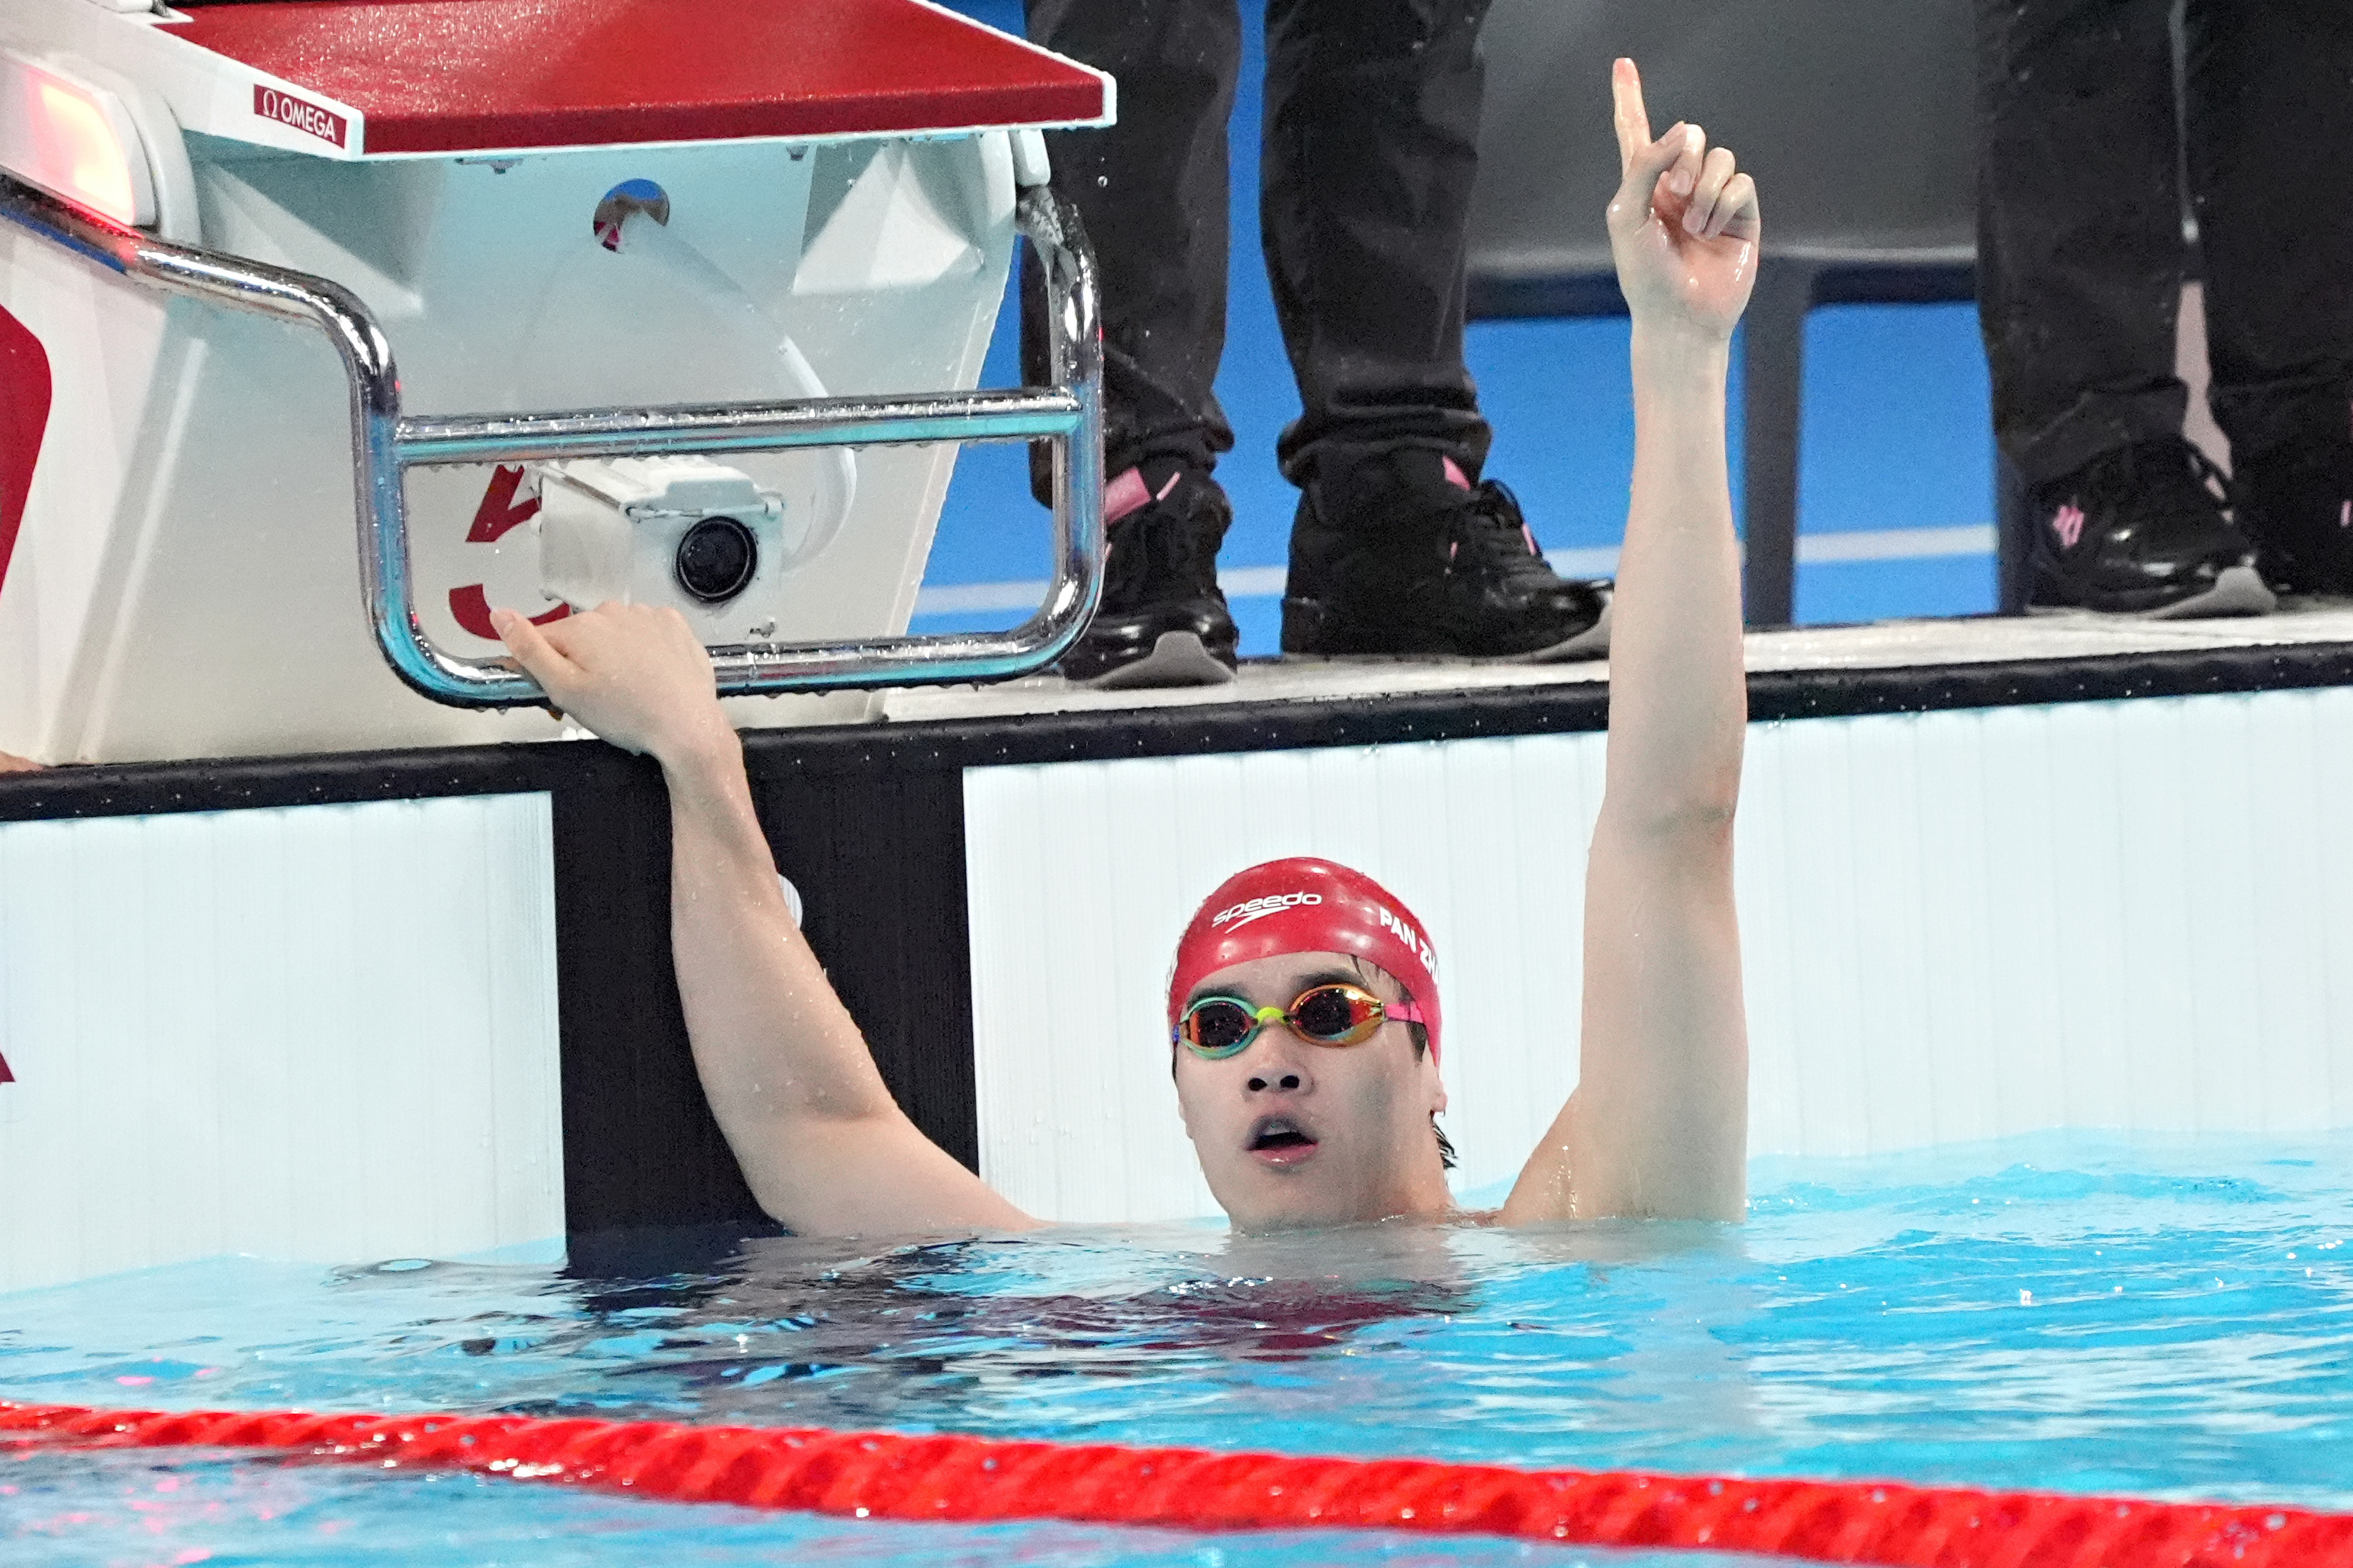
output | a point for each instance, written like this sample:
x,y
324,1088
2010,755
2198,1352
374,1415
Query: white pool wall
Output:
x,y
324,1033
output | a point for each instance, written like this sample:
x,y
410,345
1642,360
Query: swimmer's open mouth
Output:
x,y
1281,1140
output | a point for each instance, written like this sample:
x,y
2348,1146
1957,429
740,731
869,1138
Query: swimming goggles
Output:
x,y
1336,1013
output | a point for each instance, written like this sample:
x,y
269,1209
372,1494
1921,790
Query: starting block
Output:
x,y
676,300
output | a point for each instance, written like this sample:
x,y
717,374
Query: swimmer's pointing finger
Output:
x,y
1643,161
1634,119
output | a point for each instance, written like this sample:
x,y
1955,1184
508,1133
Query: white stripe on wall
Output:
x,y
1896,543
1958,926
324,1033
980,598
1600,560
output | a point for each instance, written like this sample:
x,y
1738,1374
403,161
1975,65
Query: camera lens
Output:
x,y
716,559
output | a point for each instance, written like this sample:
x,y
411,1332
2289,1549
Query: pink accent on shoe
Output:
x,y
2067,522
1455,476
1124,494
2344,515
1128,491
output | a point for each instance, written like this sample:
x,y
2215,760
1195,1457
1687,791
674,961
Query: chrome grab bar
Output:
x,y
386,444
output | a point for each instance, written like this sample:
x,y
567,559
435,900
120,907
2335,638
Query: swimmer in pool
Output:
x,y
1305,1036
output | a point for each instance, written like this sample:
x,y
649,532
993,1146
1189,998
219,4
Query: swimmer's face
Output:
x,y
1291,1133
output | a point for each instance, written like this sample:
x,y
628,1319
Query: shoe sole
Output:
x,y
1178,658
2237,591
1593,642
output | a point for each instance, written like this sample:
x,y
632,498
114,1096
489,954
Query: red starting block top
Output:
x,y
458,76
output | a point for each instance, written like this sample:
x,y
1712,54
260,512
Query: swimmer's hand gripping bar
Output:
x,y
385,444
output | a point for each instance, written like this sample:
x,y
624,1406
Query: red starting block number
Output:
x,y
499,515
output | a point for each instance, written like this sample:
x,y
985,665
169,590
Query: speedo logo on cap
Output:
x,y
1392,921
1251,910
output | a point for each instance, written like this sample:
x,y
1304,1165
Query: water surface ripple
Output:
x,y
2165,1317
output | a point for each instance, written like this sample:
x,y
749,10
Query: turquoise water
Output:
x,y
2171,1318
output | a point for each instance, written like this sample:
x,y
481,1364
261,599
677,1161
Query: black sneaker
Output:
x,y
1407,558
2143,530
2298,505
1162,620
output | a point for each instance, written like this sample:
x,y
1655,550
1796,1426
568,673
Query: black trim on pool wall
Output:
x,y
1773,695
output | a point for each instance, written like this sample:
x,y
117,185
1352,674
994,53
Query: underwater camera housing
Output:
x,y
680,530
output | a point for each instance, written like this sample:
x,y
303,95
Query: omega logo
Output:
x,y
297,114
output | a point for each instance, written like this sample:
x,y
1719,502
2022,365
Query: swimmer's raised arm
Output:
x,y
1658,1126
826,1149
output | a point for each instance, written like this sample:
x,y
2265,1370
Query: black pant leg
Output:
x,y
1152,192
2080,252
1371,144
2270,141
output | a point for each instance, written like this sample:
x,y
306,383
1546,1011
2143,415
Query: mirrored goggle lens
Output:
x,y
1337,1015
1215,1026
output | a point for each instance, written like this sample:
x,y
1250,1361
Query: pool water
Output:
x,y
2172,1318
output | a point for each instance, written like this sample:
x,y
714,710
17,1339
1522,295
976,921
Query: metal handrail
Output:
x,y
386,444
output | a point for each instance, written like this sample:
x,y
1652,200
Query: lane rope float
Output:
x,y
881,1474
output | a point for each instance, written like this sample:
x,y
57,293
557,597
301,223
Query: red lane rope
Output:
x,y
883,1475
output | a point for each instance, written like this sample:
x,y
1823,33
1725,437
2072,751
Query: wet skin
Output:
x,y
1291,1133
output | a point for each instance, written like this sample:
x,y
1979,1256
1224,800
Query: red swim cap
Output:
x,y
1306,906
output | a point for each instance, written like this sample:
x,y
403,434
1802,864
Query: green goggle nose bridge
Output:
x,y
1215,1028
